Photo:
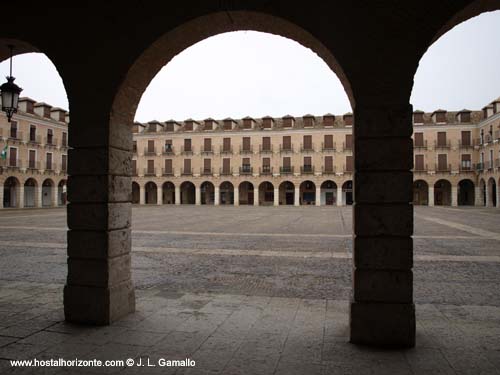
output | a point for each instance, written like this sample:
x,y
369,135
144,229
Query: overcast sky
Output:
x,y
250,73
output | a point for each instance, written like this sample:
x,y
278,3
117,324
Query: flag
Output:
x,y
4,152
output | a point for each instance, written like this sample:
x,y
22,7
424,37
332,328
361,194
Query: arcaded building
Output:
x,y
34,158
309,160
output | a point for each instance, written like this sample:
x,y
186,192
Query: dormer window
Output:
x,y
308,121
328,120
208,124
267,122
248,123
288,121
348,119
418,117
464,116
228,124
169,127
188,126
439,116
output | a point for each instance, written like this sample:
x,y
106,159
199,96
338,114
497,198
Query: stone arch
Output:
x,y
266,193
151,193
226,191
136,193
307,193
420,193
11,192
207,191
492,193
48,188
188,192
328,195
246,193
347,193
466,193
287,193
62,192
30,192
168,192
442,193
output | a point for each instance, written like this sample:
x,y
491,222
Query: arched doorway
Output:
x,y
420,193
136,193
287,193
168,193
347,195
492,192
30,187
466,195
246,193
61,193
307,193
47,191
328,193
11,192
442,193
207,191
188,192
266,194
226,193
151,192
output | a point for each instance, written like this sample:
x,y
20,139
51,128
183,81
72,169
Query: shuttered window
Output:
x,y
168,166
134,167
266,143
207,144
328,142
151,166
349,163
247,123
266,162
151,145
226,144
226,165
328,163
187,165
188,126
419,162
187,145
207,165
267,123
307,161
32,158
441,138
287,162
64,139
418,139
64,162
48,160
246,143
307,142
228,125
442,162
287,142
348,141
328,120
466,138
466,162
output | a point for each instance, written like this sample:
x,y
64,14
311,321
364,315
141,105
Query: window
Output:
x,y
419,163
441,139
151,167
32,133
308,122
348,141
328,163
247,123
228,124
187,145
13,157
50,136
64,163
64,139
188,126
287,142
307,142
418,140
168,146
32,159
48,161
418,118
349,164
226,145
207,144
246,144
328,142
151,146
134,146
245,165
266,143
169,127
442,162
207,166
267,123
287,165
266,165
187,166
466,163
328,121
226,166
168,166
134,167
466,138
307,164
13,129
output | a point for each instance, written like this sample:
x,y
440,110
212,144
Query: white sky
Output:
x,y
256,74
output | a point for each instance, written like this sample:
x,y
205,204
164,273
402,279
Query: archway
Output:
x,y
188,192
151,191
11,192
307,193
136,193
492,192
246,193
168,193
328,193
207,191
30,190
442,193
226,193
61,193
466,195
266,194
347,193
47,192
287,193
420,193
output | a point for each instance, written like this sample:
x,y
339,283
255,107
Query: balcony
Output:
x,y
207,150
15,135
346,146
347,169
465,167
266,170
488,165
33,165
206,171
167,172
149,171
266,150
10,163
50,142
226,171
186,150
420,169
442,146
329,170
286,170
465,146
306,149
35,140
480,167
168,150
443,168
420,146
285,150
488,138
226,150
187,171
149,151
307,169
246,170
246,150
329,148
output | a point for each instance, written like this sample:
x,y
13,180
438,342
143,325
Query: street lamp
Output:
x,y
10,92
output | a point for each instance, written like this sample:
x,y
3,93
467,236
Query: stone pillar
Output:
x,y
177,195
339,196
20,198
487,194
236,196
382,312
197,195
498,197
142,195
99,287
478,201
256,197
431,196
454,196
296,196
318,195
159,195
276,197
39,196
1,196
216,196
55,192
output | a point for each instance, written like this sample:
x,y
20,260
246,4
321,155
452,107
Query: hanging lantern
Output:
x,y
10,93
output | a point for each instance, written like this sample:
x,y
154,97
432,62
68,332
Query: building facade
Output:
x,y
34,156
309,160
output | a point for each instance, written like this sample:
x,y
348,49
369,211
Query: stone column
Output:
x,y
498,197
296,196
478,196
99,287
159,195
431,196
382,312
39,196
55,192
1,196
20,198
236,196
177,195
142,195
216,196
276,197
339,196
318,195
487,194
454,196
197,195
256,197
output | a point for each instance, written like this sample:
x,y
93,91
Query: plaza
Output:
x,y
254,290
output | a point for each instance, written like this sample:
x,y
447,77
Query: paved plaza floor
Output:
x,y
253,290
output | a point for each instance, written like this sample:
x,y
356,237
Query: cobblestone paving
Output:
x,y
254,291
